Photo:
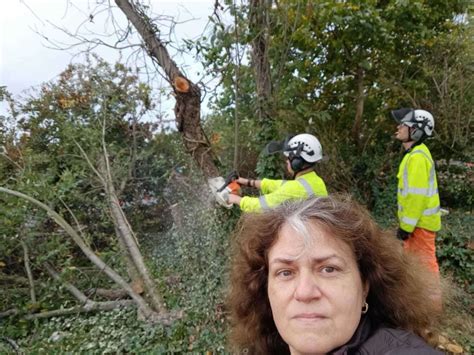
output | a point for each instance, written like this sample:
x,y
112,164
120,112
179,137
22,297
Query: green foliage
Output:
x,y
191,259
115,332
456,184
454,247
413,53
87,108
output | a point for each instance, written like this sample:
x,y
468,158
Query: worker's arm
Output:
x,y
234,199
249,182
286,191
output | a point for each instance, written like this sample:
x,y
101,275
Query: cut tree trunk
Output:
x,y
188,95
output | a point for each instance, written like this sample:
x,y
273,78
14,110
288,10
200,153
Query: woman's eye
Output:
x,y
284,273
329,269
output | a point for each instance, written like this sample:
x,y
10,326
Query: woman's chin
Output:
x,y
310,344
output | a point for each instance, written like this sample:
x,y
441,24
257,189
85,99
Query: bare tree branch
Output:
x,y
87,308
110,294
9,312
26,261
70,287
126,232
101,265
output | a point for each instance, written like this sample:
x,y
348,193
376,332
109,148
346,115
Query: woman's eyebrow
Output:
x,y
282,261
318,260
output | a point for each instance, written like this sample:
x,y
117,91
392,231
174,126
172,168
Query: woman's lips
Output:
x,y
309,316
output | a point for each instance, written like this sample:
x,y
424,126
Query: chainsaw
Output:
x,y
221,188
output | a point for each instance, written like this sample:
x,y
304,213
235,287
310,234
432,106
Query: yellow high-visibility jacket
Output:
x,y
418,199
277,191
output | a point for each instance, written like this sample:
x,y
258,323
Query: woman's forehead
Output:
x,y
315,238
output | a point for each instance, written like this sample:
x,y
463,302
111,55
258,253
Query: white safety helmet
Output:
x,y
421,120
305,146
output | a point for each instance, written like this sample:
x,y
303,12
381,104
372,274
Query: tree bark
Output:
x,y
259,23
188,95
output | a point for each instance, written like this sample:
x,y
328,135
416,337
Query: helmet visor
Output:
x,y
274,147
278,146
403,115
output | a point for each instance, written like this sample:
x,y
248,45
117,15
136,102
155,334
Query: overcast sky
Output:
x,y
26,60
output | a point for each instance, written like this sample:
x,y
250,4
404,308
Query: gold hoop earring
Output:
x,y
365,308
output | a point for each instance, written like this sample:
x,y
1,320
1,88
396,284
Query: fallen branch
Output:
x,y
89,307
9,312
110,294
12,344
31,282
98,262
70,287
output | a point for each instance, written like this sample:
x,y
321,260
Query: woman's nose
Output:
x,y
307,288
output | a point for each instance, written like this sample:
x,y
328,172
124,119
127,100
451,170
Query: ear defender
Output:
x,y
297,164
419,129
416,134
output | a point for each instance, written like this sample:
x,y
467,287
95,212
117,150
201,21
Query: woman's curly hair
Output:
x,y
400,287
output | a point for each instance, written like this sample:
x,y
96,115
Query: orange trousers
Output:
x,y
422,243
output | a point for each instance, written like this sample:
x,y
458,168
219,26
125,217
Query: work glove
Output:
x,y
402,234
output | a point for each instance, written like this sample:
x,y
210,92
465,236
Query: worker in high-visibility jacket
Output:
x,y
418,199
302,152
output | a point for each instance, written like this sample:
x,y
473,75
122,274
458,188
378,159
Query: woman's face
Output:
x,y
316,293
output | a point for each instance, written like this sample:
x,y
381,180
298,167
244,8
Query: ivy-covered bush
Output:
x,y
455,247
456,184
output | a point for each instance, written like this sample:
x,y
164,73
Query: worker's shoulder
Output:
x,y
420,150
420,153
310,177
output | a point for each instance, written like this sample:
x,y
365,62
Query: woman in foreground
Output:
x,y
319,276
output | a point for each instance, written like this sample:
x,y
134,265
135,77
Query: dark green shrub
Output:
x,y
456,184
454,247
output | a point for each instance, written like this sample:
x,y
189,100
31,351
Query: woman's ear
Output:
x,y
366,289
